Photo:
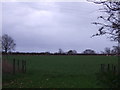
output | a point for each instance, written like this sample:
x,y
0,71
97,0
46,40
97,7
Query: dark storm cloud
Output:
x,y
48,26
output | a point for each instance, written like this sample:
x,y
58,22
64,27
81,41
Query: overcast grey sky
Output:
x,y
48,26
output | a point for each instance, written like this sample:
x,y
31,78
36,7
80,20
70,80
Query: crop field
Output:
x,y
57,71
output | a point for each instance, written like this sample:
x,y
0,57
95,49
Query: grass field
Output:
x,y
58,71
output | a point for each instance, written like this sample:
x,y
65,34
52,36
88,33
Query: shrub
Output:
x,y
108,79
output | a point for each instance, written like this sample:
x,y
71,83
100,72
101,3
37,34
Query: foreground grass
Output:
x,y
58,71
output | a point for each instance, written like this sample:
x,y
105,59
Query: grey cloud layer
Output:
x,y
50,26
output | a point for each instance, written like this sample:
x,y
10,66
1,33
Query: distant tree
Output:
x,y
89,51
70,52
60,51
102,52
107,51
8,43
47,53
115,50
74,51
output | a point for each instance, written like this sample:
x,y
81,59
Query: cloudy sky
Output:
x,y
48,26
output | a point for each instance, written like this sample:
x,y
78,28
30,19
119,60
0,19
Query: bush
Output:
x,y
108,79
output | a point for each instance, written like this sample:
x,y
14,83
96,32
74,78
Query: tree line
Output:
x,y
8,45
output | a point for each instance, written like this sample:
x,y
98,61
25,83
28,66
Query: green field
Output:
x,y
57,71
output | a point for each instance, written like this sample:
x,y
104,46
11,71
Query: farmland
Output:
x,y
57,71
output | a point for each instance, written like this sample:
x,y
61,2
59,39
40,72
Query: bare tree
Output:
x,y
115,50
107,51
8,43
111,20
60,51
110,24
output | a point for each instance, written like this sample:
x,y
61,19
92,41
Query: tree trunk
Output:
x,y
118,46
6,50
118,53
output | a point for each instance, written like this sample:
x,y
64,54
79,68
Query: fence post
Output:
x,y
102,67
13,66
22,66
18,65
25,66
108,67
114,69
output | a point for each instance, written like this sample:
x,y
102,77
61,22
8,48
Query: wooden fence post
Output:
x,y
18,65
108,68
102,67
25,66
114,69
22,66
13,66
